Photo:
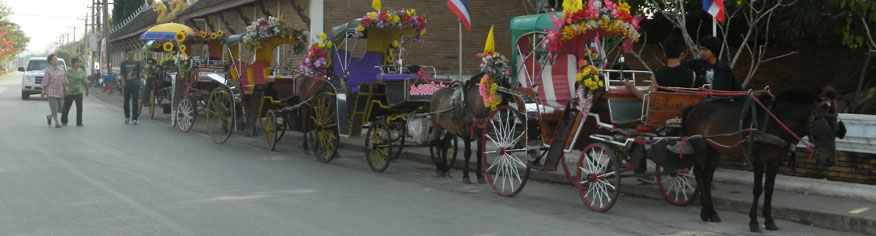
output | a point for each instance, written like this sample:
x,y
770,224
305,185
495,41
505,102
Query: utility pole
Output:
x,y
109,67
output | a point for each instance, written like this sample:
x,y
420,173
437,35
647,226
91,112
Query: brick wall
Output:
x,y
440,46
849,167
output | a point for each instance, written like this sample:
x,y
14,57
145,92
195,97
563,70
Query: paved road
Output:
x,y
108,178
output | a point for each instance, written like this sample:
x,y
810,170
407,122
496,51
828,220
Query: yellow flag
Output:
x,y
375,4
577,5
490,46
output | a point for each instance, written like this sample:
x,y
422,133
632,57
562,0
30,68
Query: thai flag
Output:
x,y
460,8
715,8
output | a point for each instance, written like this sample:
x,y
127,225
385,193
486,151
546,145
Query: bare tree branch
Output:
x,y
870,42
779,56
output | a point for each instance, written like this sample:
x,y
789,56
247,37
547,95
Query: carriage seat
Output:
x,y
557,84
360,70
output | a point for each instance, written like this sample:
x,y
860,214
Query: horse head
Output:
x,y
825,127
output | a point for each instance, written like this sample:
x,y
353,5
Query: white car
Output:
x,y
31,82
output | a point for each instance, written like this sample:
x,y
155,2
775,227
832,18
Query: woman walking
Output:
x,y
54,86
75,84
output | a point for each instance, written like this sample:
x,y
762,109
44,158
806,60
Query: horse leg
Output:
x,y
711,165
478,172
445,153
465,178
438,145
753,226
768,221
699,174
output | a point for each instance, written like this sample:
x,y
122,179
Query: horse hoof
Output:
x,y
754,228
705,216
770,225
482,180
715,217
466,180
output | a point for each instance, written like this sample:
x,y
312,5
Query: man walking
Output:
x,y
131,83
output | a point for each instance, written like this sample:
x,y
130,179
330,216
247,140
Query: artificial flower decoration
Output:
x,y
400,19
203,34
180,37
168,46
182,48
598,16
263,29
213,36
496,70
220,33
317,61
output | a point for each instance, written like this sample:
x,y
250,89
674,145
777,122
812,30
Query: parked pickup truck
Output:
x,y
31,82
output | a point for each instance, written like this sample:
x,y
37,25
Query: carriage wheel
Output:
x,y
598,177
398,128
503,162
449,151
677,187
379,143
270,128
324,131
152,104
185,114
219,117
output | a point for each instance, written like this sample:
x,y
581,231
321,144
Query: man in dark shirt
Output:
x,y
709,69
131,83
673,74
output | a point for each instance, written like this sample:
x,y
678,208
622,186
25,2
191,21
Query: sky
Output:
x,y
45,20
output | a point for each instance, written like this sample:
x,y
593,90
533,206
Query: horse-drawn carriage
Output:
x,y
564,81
257,84
376,89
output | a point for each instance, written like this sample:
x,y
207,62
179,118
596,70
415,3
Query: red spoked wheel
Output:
x,y
598,177
678,187
504,156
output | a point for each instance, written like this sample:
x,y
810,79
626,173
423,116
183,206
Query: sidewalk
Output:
x,y
819,202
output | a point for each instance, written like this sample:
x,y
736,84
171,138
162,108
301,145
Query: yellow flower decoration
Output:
x,y
372,15
322,36
413,12
203,34
213,36
321,45
220,33
180,37
168,46
360,28
395,43
329,44
395,19
422,32
182,48
624,7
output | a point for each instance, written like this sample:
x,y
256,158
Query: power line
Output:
x,y
34,15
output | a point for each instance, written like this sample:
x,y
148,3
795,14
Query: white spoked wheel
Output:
x,y
504,157
185,114
678,187
598,177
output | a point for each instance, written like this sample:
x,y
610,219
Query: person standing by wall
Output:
x,y
54,86
130,72
75,84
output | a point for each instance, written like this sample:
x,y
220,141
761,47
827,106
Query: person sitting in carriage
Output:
x,y
709,69
673,74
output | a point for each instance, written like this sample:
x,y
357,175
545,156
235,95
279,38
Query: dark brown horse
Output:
x,y
453,118
805,114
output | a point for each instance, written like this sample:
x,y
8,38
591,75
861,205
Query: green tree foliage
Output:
x,y
12,39
125,8
860,18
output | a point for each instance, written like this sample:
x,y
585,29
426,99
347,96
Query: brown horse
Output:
x,y
457,119
805,114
